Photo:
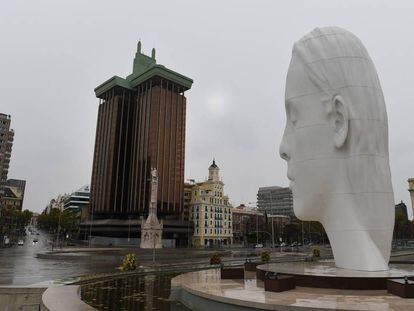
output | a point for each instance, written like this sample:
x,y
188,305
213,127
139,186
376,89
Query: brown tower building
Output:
x,y
141,125
6,143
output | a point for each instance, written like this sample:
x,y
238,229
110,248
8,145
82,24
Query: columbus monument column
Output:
x,y
151,229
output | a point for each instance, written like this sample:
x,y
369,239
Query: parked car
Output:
x,y
20,243
258,246
283,244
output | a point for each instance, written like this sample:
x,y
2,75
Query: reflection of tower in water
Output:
x,y
149,291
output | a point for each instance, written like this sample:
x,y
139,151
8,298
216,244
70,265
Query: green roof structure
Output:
x,y
144,68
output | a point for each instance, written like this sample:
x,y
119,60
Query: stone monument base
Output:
x,y
206,290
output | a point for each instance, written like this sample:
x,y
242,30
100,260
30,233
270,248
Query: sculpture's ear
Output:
x,y
339,120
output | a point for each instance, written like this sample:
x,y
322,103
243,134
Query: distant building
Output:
x,y
401,208
411,190
275,201
6,143
79,199
57,203
12,198
210,211
20,185
246,220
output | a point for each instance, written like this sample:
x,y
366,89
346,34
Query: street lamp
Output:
x,y
273,235
273,230
129,228
58,230
90,229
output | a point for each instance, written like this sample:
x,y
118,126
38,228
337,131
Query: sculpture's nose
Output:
x,y
284,151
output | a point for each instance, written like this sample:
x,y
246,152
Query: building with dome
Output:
x,y
210,211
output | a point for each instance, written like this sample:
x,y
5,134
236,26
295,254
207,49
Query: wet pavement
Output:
x,y
20,266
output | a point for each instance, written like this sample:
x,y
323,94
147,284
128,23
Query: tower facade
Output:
x,y
411,190
141,125
6,143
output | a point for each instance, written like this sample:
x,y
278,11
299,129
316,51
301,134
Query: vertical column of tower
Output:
x,y
158,137
126,158
96,157
175,177
146,158
182,149
117,205
134,149
137,156
161,140
103,158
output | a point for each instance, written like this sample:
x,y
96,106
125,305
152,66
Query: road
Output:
x,y
19,265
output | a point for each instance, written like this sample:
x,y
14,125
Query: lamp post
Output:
x,y
90,229
153,251
129,228
273,235
58,230
273,230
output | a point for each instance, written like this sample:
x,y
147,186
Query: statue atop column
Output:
x,y
151,228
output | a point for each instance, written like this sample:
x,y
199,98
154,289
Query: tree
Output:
x,y
51,222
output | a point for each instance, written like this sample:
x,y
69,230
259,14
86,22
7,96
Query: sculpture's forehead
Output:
x,y
329,74
298,82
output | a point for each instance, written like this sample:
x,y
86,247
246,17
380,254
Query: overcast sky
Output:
x,y
53,54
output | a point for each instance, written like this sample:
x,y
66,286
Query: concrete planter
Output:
x,y
251,266
279,283
401,288
232,273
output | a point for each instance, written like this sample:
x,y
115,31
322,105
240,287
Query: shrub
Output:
x,y
129,263
215,259
265,256
316,252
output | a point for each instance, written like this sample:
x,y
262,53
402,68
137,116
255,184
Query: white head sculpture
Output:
x,y
336,147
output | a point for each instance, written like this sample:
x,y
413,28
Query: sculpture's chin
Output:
x,y
304,210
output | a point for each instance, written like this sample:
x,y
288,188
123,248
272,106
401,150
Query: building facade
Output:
x,y
6,143
275,201
12,198
77,200
20,184
140,126
210,211
401,208
56,203
246,220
